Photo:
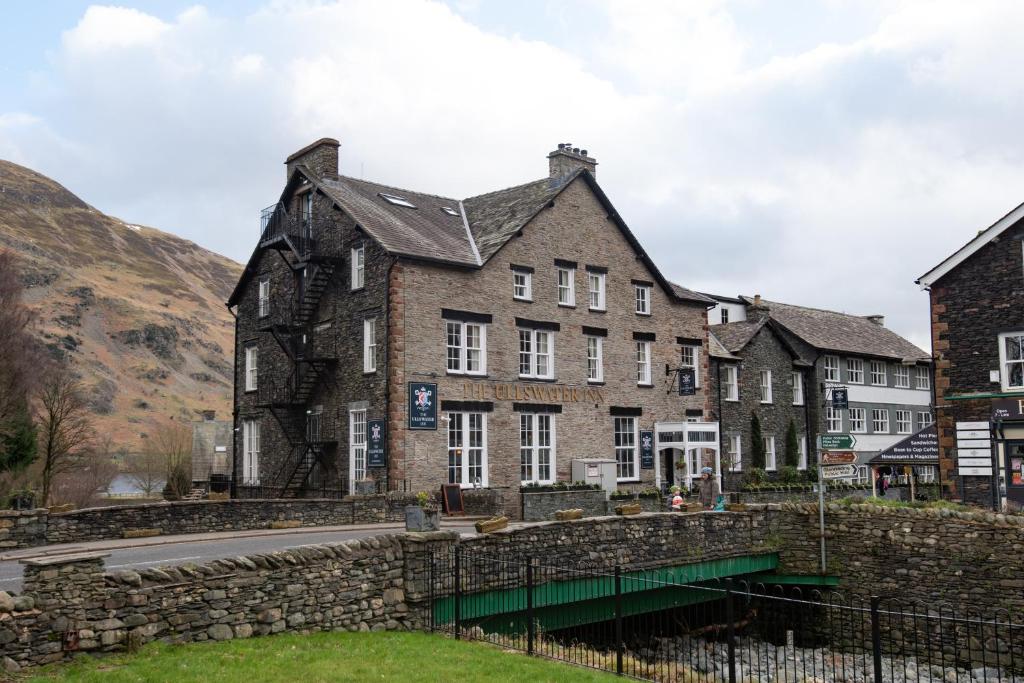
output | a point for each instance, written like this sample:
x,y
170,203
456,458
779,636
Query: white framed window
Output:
x,y
855,371
356,447
833,420
923,377
688,358
802,463
858,422
467,449
731,383
522,285
643,363
250,452
566,286
880,420
537,447
595,291
766,386
1011,361
693,458
723,314
878,375
923,420
626,452
358,267
901,377
643,299
769,453
251,367
370,345
466,348
735,452
832,369
595,359
798,388
264,298
863,475
904,421
536,354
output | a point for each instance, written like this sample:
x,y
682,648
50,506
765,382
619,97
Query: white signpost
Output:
x,y
973,449
838,471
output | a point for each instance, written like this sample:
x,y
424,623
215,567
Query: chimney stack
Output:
x,y
758,310
567,159
320,157
877,319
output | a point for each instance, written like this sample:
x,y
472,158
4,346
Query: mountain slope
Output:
x,y
139,312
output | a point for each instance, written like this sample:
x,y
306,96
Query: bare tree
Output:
x,y
171,443
21,354
65,429
84,482
147,469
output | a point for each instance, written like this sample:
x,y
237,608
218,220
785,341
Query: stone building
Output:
x,y
782,362
977,324
486,342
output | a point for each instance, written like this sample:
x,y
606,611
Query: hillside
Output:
x,y
139,312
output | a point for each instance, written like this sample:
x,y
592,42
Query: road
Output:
x,y
172,550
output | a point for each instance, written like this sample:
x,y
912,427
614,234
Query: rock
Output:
x,y
243,631
6,602
24,603
11,666
220,632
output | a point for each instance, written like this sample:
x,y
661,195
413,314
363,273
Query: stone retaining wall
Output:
x,y
22,528
542,506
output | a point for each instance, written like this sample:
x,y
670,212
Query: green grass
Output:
x,y
320,657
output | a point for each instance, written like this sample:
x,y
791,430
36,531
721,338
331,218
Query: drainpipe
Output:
x,y
718,399
234,406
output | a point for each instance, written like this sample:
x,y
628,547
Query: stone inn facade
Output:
x,y
393,338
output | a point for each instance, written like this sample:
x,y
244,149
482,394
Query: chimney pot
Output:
x,y
583,152
561,145
757,299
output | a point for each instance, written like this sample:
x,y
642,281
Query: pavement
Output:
x,y
199,548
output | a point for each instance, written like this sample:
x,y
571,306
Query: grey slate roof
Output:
x,y
841,332
734,336
496,216
717,350
690,295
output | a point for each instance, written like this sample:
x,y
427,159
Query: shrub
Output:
x,y
789,474
758,454
755,476
791,453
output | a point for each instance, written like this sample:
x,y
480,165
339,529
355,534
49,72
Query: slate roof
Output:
x,y
496,216
841,332
734,336
717,350
690,295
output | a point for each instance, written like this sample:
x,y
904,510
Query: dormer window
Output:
x,y
396,200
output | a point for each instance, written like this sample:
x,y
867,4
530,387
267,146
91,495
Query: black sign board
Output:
x,y
451,498
687,381
647,450
840,398
422,405
917,449
376,444
1008,409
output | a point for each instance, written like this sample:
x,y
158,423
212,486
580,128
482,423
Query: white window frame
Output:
x,y
689,357
833,420
921,424
626,427
831,365
802,462
463,352
530,448
643,363
370,345
798,388
1005,362
522,285
459,424
901,377
595,360
735,452
250,452
855,371
358,267
766,386
356,446
532,354
732,383
923,377
904,421
858,416
568,289
723,315
264,297
879,420
642,294
769,454
252,358
879,379
596,298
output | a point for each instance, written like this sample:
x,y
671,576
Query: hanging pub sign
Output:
x,y
376,444
840,398
422,405
687,381
647,450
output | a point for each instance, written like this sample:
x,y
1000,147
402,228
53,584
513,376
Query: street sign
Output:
x,y
973,462
838,457
973,425
836,442
972,434
975,472
838,471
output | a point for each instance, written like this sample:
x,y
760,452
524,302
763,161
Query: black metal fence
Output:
x,y
652,625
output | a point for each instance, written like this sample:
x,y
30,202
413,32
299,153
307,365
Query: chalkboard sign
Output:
x,y
687,382
422,405
647,450
451,498
840,398
376,444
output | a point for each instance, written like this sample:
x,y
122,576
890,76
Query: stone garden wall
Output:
x,y
542,506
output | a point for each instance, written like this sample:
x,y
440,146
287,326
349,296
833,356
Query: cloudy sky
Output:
x,y
822,152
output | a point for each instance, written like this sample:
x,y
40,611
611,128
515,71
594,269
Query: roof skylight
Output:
x,y
396,200
450,211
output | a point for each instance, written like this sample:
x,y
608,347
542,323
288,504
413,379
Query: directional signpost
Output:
x,y
838,458
835,461
838,471
836,442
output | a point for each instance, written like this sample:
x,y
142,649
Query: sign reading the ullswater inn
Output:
x,y
647,450
422,405
376,444
544,393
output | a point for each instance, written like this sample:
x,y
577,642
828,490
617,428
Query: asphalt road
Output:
x,y
200,551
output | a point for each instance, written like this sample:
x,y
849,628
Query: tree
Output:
x,y
171,443
21,355
758,455
18,443
65,428
147,469
791,456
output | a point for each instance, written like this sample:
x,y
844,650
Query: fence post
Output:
x,y
876,638
458,594
730,629
531,627
432,576
620,646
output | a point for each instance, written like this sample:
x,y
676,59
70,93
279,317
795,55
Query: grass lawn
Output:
x,y
320,657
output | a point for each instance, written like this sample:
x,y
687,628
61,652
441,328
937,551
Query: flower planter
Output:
x,y
628,509
565,515
736,507
420,519
488,525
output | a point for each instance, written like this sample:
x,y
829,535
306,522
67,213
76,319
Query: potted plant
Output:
x,y
423,516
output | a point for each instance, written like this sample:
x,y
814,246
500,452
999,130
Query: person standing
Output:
x,y
709,490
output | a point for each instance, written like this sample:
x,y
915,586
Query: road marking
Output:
x,y
139,564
